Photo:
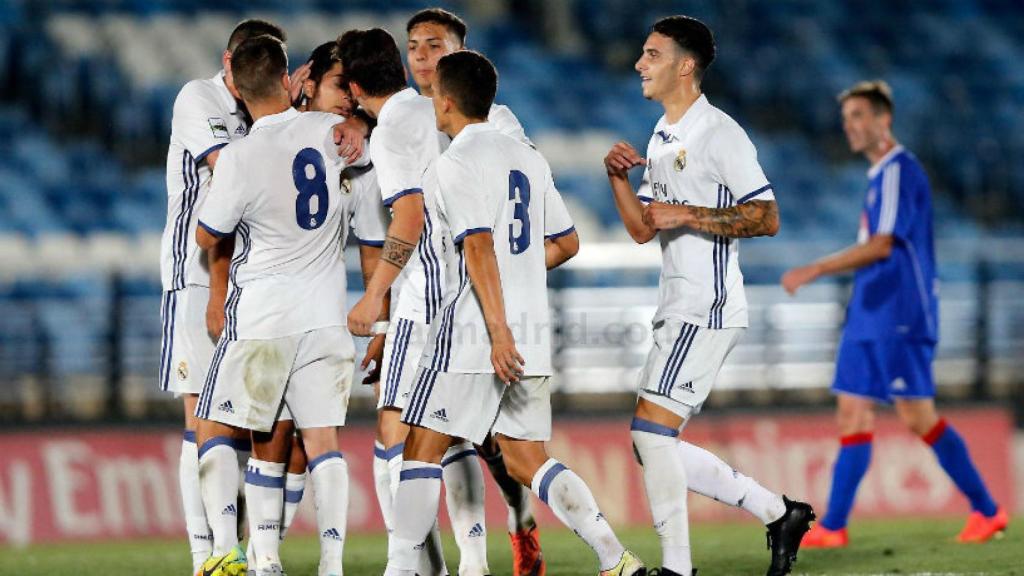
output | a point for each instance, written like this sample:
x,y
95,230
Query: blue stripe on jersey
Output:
x,y
179,244
565,232
231,306
434,273
757,192
209,151
458,239
167,313
720,265
213,231
203,406
443,342
675,360
405,192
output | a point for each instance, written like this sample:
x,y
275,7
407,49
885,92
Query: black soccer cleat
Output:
x,y
785,534
667,572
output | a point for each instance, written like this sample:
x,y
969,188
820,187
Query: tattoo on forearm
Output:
x,y
396,251
754,218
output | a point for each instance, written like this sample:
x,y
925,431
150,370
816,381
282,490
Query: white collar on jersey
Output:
x,y
470,129
874,170
692,113
225,94
400,96
274,119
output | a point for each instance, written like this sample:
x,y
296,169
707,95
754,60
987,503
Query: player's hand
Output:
x,y
215,320
374,354
621,158
350,138
793,279
298,78
508,363
663,216
363,315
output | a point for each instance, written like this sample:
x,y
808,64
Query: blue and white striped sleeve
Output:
x,y
889,210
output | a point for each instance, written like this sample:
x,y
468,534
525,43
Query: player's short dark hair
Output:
x,y
692,36
371,59
470,80
257,65
251,28
440,16
877,92
321,60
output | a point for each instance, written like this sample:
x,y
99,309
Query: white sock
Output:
x,y
264,491
329,474
415,513
708,475
243,449
200,540
517,497
571,500
218,483
464,494
382,482
431,562
294,486
665,482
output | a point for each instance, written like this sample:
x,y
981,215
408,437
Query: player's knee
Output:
x,y
853,418
918,417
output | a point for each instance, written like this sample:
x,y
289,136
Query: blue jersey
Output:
x,y
897,296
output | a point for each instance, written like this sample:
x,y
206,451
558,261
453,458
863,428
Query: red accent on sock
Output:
x,y
933,435
855,439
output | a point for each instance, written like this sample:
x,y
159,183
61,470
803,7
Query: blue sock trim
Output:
x,y
395,450
457,457
213,443
325,456
189,436
241,444
642,425
256,479
420,473
378,452
549,476
293,496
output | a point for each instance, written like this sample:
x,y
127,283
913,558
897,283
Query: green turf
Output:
x,y
879,547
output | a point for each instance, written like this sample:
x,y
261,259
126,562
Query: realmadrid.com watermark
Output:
x,y
574,330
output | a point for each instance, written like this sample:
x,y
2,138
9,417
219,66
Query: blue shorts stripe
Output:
x,y
421,394
420,473
256,479
677,349
323,458
213,443
167,314
680,360
458,456
549,476
642,425
398,354
203,407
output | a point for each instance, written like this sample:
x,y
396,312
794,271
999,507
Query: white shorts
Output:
x,y
682,366
470,406
403,350
252,381
186,349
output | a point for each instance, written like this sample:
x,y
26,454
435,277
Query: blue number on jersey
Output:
x,y
309,188
517,181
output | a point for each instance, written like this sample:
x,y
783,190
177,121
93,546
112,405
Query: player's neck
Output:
x,y
678,102
267,107
880,149
459,123
373,104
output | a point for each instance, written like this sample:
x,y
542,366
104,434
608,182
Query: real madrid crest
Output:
x,y
680,162
183,370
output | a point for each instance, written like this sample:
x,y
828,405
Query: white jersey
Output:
x,y
704,159
491,182
369,218
280,190
206,118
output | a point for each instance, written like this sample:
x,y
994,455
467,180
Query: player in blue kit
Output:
x,y
892,322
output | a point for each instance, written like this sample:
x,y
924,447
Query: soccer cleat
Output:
x,y
980,528
231,564
527,559
820,537
272,570
629,565
784,535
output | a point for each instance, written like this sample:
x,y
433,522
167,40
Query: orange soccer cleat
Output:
x,y
527,559
820,537
980,528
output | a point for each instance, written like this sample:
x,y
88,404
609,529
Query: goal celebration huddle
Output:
x,y
458,219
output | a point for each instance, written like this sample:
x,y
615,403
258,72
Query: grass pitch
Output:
x,y
878,547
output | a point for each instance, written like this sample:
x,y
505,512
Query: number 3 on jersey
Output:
x,y
310,177
519,195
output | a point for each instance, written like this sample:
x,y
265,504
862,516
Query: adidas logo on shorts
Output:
x,y
331,533
230,510
441,415
226,407
477,531
688,386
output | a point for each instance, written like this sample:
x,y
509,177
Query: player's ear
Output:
x,y
286,82
308,88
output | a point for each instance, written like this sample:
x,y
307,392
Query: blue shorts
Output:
x,y
885,369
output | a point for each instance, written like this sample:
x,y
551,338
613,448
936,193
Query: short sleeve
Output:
x,y
199,122
735,158
459,184
502,118
369,218
557,221
643,191
399,163
225,204
896,209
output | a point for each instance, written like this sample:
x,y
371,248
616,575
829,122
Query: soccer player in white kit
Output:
x,y
702,190
488,360
207,116
284,341
432,34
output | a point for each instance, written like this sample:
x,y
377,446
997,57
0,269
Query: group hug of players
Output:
x,y
457,220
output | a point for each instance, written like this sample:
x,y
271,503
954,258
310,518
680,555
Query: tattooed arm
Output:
x,y
754,218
